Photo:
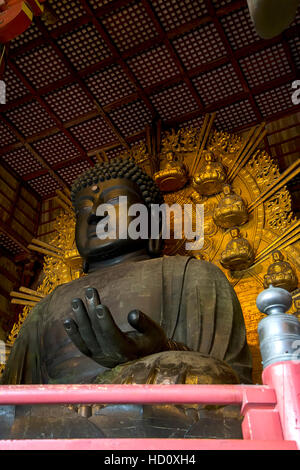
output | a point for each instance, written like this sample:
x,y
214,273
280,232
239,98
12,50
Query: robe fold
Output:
x,y
191,299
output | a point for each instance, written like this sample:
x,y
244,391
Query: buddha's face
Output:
x,y
87,201
235,233
226,190
277,256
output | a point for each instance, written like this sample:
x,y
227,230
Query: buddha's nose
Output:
x,y
93,218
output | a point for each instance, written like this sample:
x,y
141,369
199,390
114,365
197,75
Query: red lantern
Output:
x,y
16,16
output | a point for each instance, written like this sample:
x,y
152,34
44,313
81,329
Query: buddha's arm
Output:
x,y
271,17
24,362
97,336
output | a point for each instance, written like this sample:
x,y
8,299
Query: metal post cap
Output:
x,y
274,300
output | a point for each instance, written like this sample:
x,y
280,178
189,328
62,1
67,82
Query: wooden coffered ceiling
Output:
x,y
93,80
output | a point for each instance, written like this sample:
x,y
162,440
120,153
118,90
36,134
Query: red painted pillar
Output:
x,y
284,378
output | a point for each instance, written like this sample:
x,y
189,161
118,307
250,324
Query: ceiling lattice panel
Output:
x,y
44,185
129,26
91,81
83,46
174,12
273,101
153,66
65,12
225,83
69,102
6,136
70,173
22,162
15,88
110,84
238,113
266,65
131,118
30,118
9,245
174,101
199,46
93,133
54,148
239,29
34,65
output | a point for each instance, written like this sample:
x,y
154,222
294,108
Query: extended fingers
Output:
x,y
85,326
73,333
106,323
92,301
150,337
144,324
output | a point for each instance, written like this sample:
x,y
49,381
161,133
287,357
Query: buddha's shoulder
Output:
x,y
192,264
181,265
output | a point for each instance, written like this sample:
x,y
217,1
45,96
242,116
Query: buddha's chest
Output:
x,y
121,291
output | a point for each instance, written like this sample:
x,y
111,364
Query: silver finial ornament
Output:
x,y
278,332
274,300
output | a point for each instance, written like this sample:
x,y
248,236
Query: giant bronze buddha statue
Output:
x,y
135,316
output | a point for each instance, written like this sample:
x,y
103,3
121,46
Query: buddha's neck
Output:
x,y
139,255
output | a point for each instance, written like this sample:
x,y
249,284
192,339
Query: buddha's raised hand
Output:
x,y
96,334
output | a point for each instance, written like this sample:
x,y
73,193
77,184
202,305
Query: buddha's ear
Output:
x,y
155,245
85,266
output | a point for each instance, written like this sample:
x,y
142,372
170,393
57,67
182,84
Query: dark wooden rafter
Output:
x,y
14,236
149,90
77,79
117,55
48,109
173,54
233,60
24,184
115,5
40,159
163,37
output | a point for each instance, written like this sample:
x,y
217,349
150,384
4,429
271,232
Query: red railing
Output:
x,y
271,411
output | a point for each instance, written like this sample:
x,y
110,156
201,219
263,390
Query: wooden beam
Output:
x,y
32,151
173,54
14,236
48,109
78,80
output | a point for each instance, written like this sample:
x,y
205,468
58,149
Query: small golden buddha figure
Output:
x,y
231,210
173,173
212,176
280,273
238,254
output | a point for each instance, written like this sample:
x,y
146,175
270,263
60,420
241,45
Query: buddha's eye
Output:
x,y
85,203
113,200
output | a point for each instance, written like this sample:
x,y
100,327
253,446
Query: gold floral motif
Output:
x,y
264,169
278,211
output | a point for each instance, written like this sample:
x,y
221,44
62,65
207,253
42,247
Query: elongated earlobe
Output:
x,y
85,267
155,247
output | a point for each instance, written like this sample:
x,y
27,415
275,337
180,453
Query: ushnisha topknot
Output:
x,y
119,168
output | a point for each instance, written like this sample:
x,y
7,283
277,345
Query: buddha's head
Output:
x,y
227,189
104,184
277,256
235,233
209,156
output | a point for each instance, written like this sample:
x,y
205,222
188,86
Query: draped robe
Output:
x,y
191,299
